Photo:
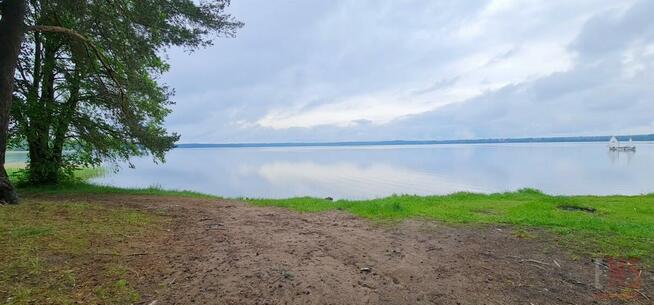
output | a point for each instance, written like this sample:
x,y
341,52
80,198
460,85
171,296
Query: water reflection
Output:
x,y
352,180
368,172
615,156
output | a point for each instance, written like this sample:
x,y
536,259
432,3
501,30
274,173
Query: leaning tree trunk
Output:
x,y
11,35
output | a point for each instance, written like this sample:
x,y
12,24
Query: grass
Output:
x,y
620,226
50,252
88,188
82,175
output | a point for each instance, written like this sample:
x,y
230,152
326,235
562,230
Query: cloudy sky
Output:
x,y
381,69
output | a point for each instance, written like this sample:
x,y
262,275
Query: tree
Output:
x,y
87,87
11,34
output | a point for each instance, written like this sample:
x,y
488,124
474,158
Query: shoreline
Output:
x,y
586,223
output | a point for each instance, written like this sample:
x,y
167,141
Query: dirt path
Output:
x,y
226,252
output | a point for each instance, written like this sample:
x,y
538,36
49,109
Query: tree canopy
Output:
x,y
87,86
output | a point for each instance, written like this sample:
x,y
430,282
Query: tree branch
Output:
x,y
86,41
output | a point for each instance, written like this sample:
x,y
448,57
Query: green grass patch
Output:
x,y
82,174
46,246
88,188
620,226
18,175
81,185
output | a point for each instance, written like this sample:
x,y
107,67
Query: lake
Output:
x,y
360,172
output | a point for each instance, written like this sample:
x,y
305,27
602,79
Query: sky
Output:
x,y
349,70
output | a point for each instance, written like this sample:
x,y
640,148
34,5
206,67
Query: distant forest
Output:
x,y
642,137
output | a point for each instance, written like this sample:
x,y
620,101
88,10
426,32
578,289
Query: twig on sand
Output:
x,y
535,261
129,254
643,294
522,260
556,263
539,267
138,275
528,260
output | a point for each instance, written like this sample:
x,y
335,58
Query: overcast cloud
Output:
x,y
382,69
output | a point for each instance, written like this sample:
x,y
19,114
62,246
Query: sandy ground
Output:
x,y
228,252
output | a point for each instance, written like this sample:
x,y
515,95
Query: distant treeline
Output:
x,y
647,137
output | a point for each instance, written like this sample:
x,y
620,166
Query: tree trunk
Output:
x,y
43,168
65,117
11,35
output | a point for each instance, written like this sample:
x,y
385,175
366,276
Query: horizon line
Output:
x,y
599,138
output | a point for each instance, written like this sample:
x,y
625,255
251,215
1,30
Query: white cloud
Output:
x,y
475,74
364,69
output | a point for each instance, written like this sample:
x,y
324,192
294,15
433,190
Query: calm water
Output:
x,y
376,171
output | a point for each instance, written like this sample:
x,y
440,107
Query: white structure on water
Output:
x,y
614,145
